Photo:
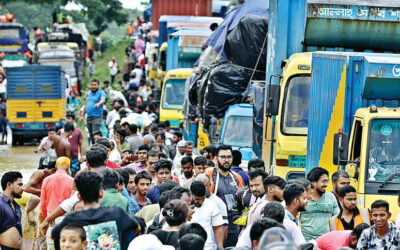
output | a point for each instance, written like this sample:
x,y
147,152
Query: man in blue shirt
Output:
x,y
94,107
10,212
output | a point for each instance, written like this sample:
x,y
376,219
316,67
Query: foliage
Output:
x,y
99,12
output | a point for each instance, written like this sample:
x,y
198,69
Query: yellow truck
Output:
x,y
172,96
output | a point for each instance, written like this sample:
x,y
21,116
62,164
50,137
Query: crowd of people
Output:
x,y
200,200
140,185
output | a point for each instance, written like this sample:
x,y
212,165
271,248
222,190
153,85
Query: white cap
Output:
x,y
181,144
148,242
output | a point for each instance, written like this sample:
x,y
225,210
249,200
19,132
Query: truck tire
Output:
x,y
21,140
14,139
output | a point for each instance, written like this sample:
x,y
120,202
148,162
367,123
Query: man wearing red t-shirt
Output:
x,y
337,239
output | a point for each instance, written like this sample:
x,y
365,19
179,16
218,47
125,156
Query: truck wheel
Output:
x,y
21,140
14,139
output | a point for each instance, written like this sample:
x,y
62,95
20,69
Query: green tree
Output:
x,y
99,12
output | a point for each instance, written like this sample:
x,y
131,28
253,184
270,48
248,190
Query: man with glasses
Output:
x,y
225,183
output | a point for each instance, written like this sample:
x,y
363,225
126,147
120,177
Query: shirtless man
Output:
x,y
10,212
61,144
34,185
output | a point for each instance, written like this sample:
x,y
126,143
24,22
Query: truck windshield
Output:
x,y
174,94
237,131
384,154
9,34
295,113
67,67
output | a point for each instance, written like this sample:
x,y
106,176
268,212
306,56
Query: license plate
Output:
x,y
34,126
297,161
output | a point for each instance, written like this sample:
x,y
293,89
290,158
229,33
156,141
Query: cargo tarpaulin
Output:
x,y
249,7
244,43
225,87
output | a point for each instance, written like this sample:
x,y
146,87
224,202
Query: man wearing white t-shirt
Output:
x,y
207,214
113,66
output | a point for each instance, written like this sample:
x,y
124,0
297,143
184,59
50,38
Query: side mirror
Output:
x,y
340,149
212,130
273,95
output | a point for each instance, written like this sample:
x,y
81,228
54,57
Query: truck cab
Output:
x,y
374,155
288,159
173,96
162,64
13,38
354,123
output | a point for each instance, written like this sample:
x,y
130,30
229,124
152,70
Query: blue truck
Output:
x,y
170,24
354,121
303,27
185,47
13,38
36,101
236,130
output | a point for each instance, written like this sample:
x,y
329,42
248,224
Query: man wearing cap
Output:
x,y
55,189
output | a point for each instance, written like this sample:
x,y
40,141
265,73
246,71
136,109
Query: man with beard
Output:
x,y
142,159
350,216
315,220
339,179
295,196
142,182
273,186
10,212
225,183
186,178
94,107
248,196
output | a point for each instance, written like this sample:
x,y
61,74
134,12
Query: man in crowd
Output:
x,y
273,186
200,165
111,197
57,187
10,212
106,144
34,184
76,144
207,215
338,239
143,158
94,107
247,196
383,234
142,183
46,145
163,169
295,197
339,179
256,163
210,152
237,160
134,139
90,191
225,183
350,216
315,220
218,201
186,178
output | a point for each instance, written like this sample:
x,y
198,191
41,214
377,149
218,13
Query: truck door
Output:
x,y
48,93
355,154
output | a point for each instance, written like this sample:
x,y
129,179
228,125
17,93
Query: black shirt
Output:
x,y
350,225
125,224
167,238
